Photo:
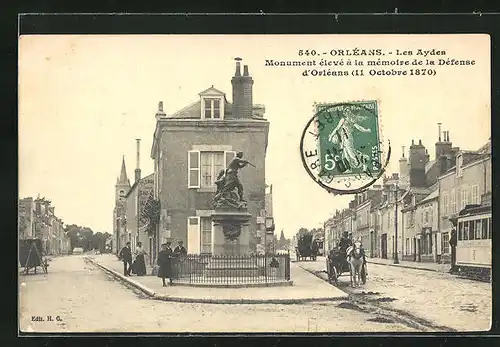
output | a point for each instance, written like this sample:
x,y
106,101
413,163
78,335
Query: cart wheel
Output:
x,y
363,274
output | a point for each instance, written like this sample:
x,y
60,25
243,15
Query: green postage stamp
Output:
x,y
341,146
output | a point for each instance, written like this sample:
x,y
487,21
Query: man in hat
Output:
x,y
180,250
344,242
126,256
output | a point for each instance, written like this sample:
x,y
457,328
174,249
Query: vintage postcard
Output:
x,y
254,183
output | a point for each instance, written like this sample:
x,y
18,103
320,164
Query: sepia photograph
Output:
x,y
254,183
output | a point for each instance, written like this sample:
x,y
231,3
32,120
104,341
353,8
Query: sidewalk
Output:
x,y
411,264
306,288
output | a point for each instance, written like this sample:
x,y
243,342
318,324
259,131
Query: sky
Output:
x,y
83,100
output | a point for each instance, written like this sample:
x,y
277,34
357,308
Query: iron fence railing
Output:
x,y
231,269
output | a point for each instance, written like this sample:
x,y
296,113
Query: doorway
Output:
x,y
383,246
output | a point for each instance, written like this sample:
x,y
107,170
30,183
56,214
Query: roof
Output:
x,y
212,91
429,165
430,197
123,174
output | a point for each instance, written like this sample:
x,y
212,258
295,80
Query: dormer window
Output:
x,y
212,104
212,108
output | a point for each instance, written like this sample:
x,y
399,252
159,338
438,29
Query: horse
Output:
x,y
355,260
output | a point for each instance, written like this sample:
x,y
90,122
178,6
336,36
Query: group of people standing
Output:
x,y
165,260
136,266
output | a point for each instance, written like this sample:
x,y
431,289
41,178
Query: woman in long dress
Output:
x,y
140,264
342,135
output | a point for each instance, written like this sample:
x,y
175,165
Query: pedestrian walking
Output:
x,y
164,263
126,257
139,265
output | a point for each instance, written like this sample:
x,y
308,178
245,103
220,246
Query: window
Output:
x,y
204,167
445,205
407,246
477,230
484,233
453,201
475,195
460,231
489,228
212,108
471,230
466,230
206,235
445,244
464,198
211,164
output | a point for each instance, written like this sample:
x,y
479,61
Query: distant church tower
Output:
x,y
122,187
122,184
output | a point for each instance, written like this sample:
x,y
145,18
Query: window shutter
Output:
x,y
193,235
228,156
193,169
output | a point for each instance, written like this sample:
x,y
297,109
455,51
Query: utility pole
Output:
x,y
396,260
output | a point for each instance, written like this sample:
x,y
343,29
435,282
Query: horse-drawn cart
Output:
x,y
337,264
306,248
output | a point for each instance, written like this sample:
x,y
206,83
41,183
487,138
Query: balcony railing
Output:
x,y
231,269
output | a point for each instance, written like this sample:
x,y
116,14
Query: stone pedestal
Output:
x,y
231,245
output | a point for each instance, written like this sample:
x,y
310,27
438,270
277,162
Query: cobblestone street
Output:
x,y
441,298
83,298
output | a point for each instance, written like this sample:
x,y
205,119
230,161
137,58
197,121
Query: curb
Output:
x,y
246,301
236,285
408,267
161,297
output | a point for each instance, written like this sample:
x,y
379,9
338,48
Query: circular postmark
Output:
x,y
341,146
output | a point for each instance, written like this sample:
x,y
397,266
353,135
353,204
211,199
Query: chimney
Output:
x,y
160,113
242,92
420,142
238,70
413,142
439,127
447,136
138,168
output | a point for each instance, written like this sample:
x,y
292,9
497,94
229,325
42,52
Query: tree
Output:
x,y
79,236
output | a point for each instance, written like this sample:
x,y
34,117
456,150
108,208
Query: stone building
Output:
x,y
37,219
192,145
364,230
468,182
120,234
135,200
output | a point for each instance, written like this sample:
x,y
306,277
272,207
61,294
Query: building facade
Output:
x,y
190,148
467,183
37,220
137,227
